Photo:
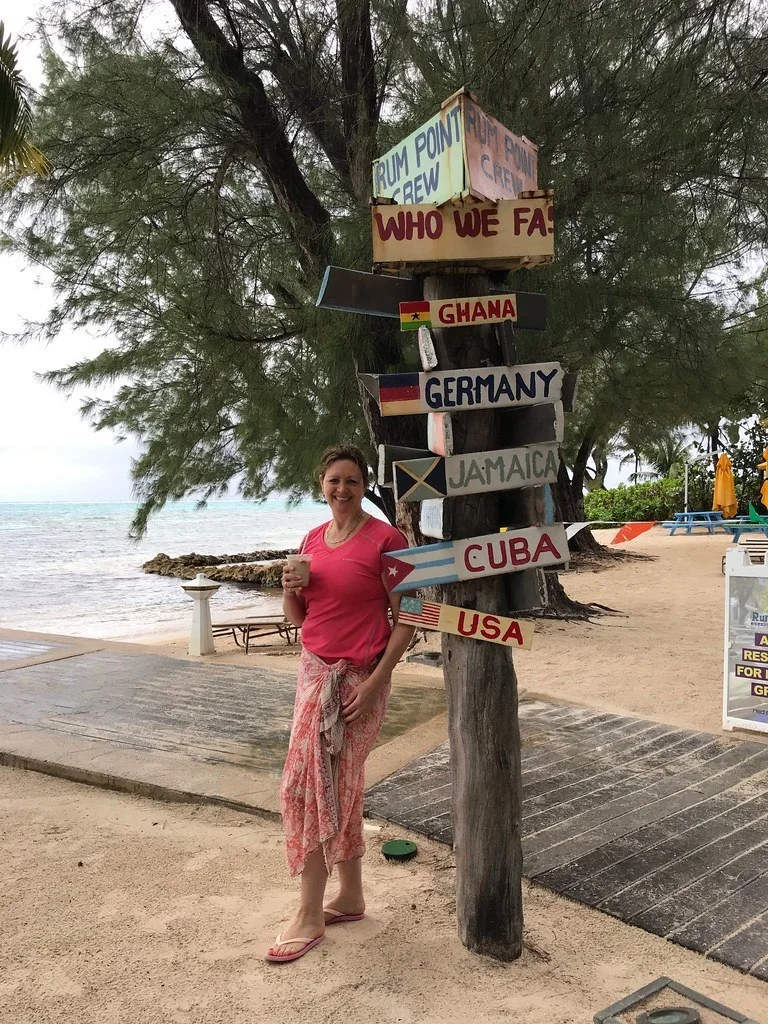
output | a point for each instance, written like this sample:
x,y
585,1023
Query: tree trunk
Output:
x,y
481,690
569,507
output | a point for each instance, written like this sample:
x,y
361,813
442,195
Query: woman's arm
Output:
x,y
294,608
367,692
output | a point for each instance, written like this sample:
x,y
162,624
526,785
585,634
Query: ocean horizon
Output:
x,y
70,568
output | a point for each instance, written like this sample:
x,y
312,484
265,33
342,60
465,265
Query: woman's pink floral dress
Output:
x,y
324,777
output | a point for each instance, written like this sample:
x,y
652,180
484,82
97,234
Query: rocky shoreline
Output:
x,y
253,568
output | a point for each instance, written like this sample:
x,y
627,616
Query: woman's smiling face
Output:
x,y
343,487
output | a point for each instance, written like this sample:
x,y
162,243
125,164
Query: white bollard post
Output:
x,y
200,590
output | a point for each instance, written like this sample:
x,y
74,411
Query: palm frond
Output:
x,y
17,154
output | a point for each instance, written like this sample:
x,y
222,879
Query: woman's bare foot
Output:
x,y
302,925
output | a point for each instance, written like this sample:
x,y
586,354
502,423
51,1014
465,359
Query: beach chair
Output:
x,y
252,627
756,546
754,515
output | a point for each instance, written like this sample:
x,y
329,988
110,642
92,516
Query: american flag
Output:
x,y
415,612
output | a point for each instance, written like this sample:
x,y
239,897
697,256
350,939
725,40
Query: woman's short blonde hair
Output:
x,y
343,451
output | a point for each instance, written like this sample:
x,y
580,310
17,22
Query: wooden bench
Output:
x,y
252,627
756,547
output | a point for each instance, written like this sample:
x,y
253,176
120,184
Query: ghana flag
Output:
x,y
414,315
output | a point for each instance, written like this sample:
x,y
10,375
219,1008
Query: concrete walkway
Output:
x,y
662,827
176,728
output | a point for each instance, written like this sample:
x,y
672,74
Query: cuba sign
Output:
x,y
474,557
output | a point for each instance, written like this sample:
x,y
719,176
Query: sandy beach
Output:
x,y
117,908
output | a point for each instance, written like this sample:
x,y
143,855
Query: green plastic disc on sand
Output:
x,y
399,849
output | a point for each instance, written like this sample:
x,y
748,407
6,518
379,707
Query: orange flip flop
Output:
x,y
283,958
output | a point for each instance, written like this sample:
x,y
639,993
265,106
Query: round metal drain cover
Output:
x,y
670,1015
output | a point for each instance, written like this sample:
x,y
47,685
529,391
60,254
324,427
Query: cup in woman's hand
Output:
x,y
300,565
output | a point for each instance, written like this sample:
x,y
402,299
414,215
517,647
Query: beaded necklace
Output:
x,y
347,533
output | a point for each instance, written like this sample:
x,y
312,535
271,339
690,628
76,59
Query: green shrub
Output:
x,y
656,499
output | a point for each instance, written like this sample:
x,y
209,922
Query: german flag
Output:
x,y
414,315
400,394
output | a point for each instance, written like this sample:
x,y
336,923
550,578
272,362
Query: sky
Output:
x,y
47,451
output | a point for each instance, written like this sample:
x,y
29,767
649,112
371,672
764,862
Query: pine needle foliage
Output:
x,y
213,156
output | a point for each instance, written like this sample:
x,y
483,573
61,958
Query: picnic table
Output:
x,y
739,526
711,521
252,627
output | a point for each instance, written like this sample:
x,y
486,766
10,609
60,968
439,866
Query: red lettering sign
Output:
x,y
490,628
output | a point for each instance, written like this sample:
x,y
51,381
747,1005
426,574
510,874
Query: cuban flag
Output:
x,y
426,566
400,394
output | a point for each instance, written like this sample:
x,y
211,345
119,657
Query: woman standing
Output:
x,y
349,650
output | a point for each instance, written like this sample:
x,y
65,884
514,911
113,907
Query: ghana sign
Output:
x,y
525,310
491,555
513,232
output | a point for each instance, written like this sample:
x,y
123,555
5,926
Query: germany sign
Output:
x,y
407,394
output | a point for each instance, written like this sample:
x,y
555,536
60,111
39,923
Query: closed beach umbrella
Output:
x,y
725,489
764,489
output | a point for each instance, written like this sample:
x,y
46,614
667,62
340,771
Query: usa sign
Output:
x,y
417,479
475,557
512,233
447,618
407,394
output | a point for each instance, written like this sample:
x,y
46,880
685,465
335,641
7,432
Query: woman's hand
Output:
x,y
291,581
363,699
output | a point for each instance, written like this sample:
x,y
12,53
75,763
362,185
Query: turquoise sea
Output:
x,y
70,568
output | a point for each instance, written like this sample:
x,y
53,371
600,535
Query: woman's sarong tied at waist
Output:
x,y
321,795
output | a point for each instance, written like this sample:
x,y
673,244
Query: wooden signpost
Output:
x,y
432,519
440,433
416,479
388,455
526,310
457,197
354,291
461,151
497,629
535,424
516,232
427,350
491,555
408,394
